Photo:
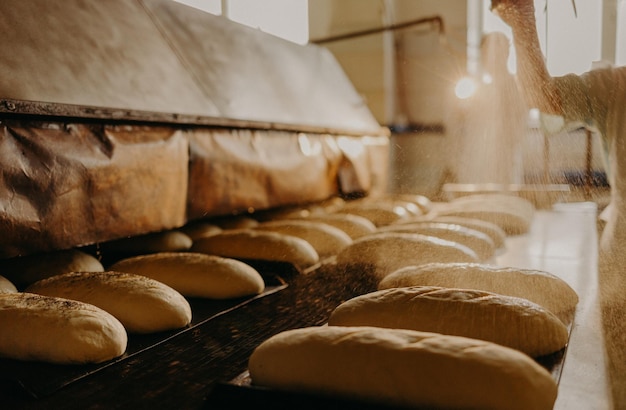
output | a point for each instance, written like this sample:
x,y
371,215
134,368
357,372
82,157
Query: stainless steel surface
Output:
x,y
563,241
134,58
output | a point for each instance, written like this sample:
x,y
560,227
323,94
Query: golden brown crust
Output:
x,y
42,328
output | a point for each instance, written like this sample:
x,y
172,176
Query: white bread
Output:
x,y
326,239
380,214
56,330
165,241
511,213
355,226
385,252
23,271
141,304
402,367
6,286
513,322
481,243
196,274
261,245
199,230
495,232
543,288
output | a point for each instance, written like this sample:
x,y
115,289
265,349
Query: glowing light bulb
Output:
x,y
465,88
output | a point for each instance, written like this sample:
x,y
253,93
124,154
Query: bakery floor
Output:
x,y
564,241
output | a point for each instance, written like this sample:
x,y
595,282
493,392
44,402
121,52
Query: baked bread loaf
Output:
x,y
385,252
481,243
196,274
6,286
23,271
165,241
56,330
497,234
513,322
253,244
141,304
325,239
380,214
511,213
542,288
199,230
355,226
402,367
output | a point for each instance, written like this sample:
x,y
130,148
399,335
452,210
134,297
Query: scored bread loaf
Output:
x,y
196,274
141,304
505,320
385,252
543,288
402,367
481,243
56,330
261,245
6,286
24,270
326,239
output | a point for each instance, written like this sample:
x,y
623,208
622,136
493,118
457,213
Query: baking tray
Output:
x,y
38,379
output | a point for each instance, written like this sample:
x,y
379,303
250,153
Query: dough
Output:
x,y
197,274
166,241
141,304
327,240
261,245
6,286
386,252
56,330
25,270
540,287
481,243
505,320
402,367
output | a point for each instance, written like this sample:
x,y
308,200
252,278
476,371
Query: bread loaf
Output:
x,y
56,330
6,286
141,304
199,230
481,243
505,320
256,244
513,214
402,367
166,241
540,287
25,270
380,214
385,252
197,274
355,226
495,232
325,239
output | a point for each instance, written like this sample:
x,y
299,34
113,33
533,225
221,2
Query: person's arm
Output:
x,y
532,73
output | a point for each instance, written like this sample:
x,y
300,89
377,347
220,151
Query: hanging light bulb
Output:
x,y
465,88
